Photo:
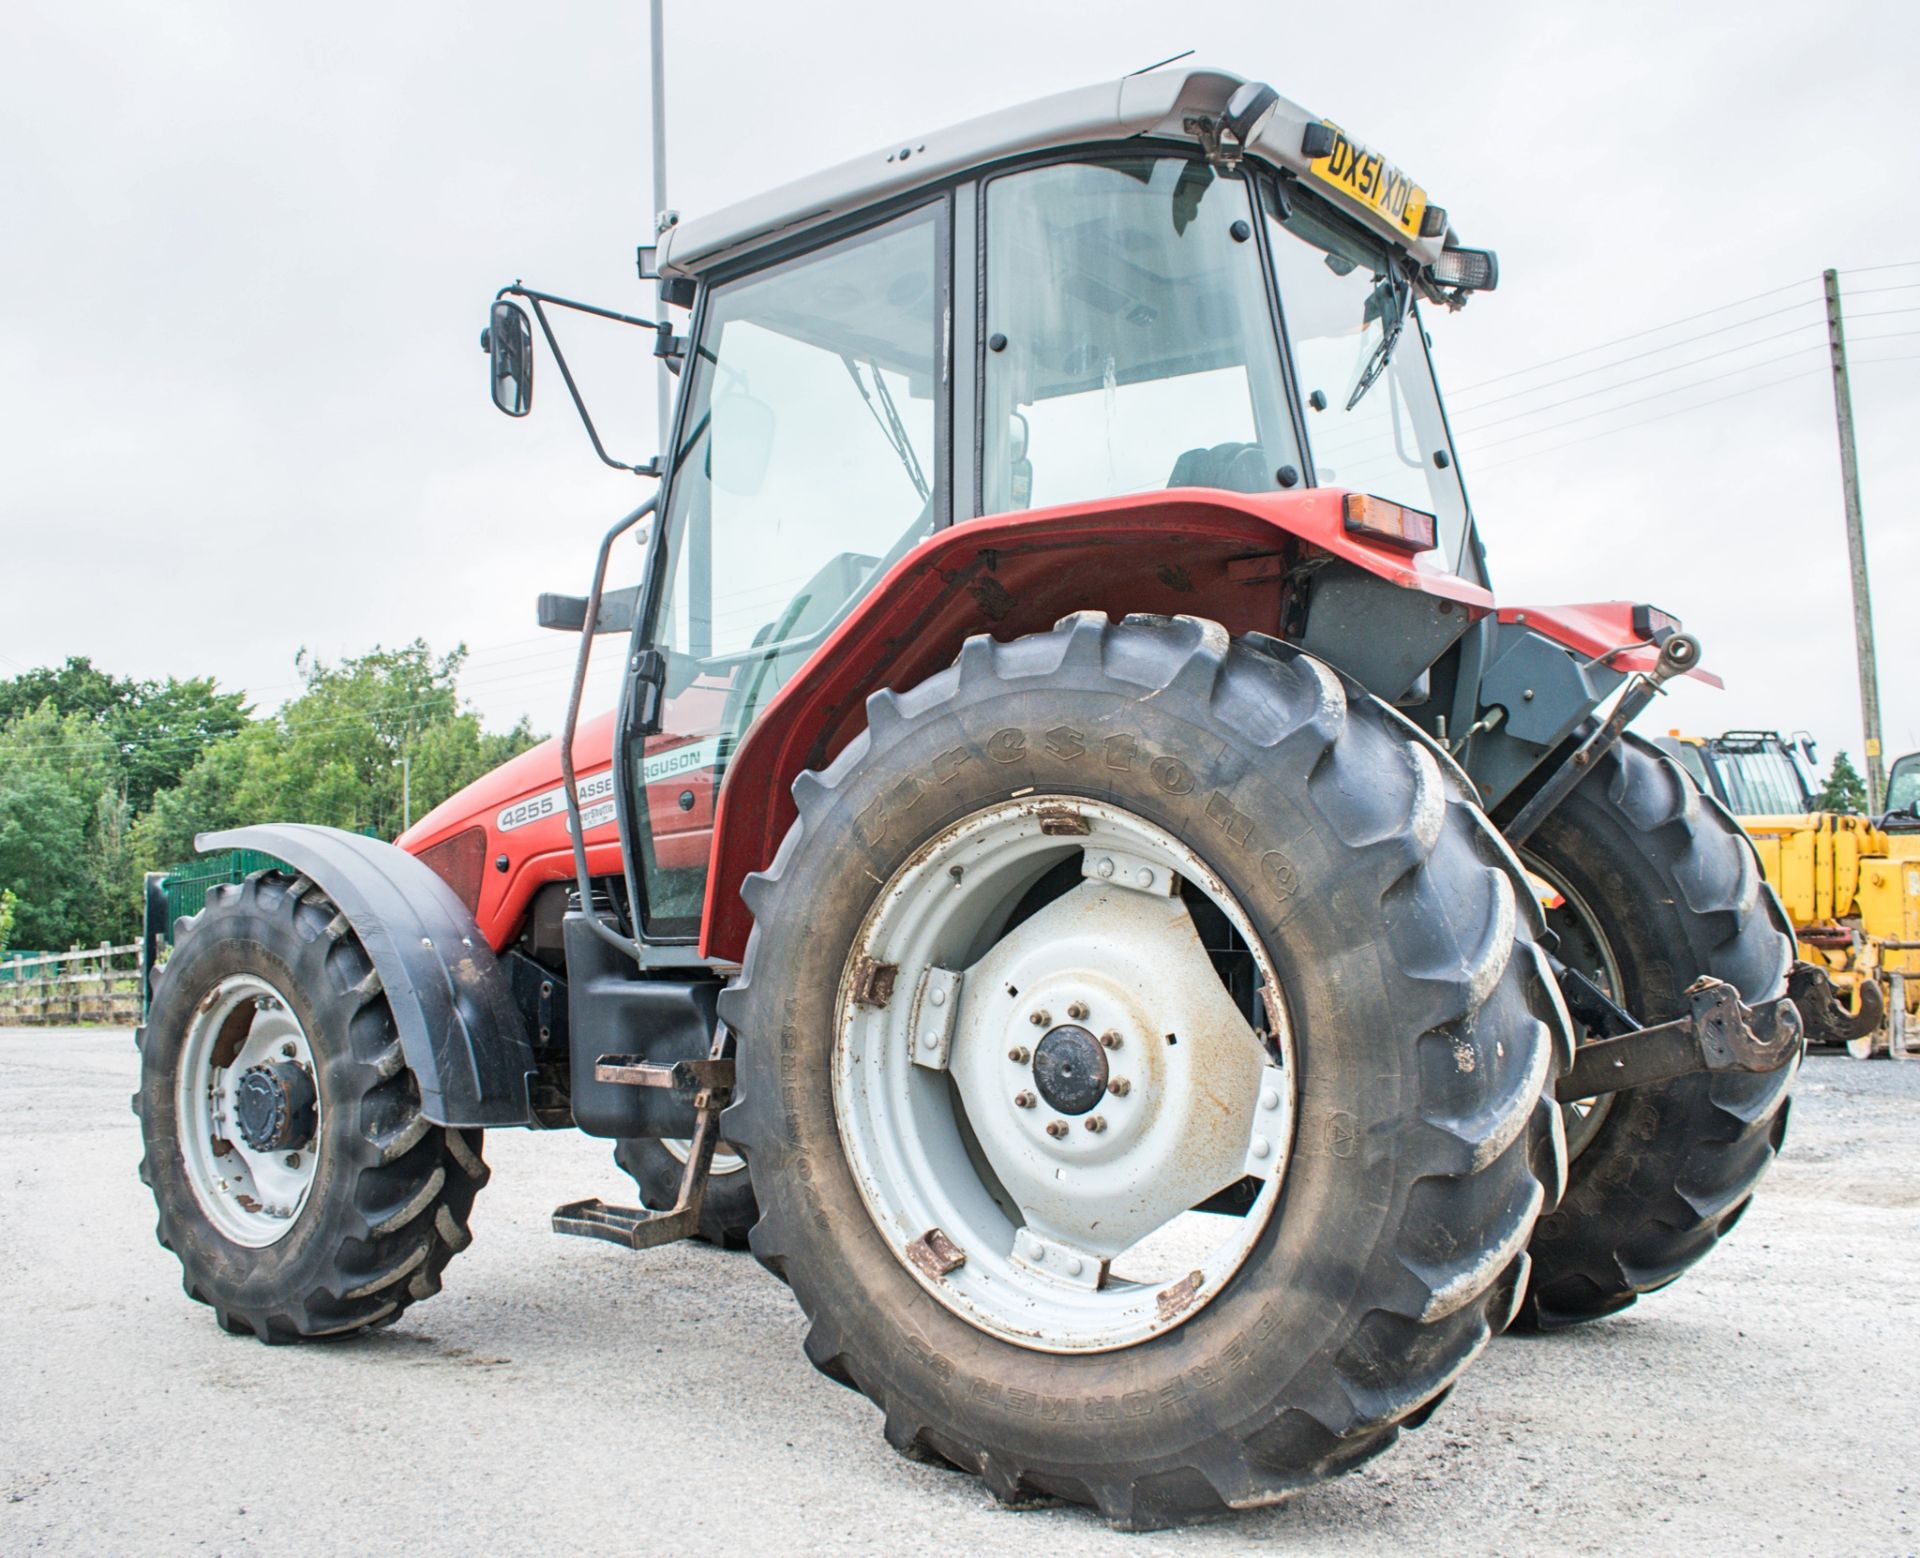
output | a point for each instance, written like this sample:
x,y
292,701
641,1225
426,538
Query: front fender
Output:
x,y
464,1039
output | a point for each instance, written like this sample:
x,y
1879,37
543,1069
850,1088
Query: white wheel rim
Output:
x,y
725,1160
1580,1117
1081,1240
251,1197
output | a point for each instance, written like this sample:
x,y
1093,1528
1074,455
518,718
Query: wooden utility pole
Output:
x,y
1856,552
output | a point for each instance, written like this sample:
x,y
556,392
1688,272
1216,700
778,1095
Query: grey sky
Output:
x,y
242,408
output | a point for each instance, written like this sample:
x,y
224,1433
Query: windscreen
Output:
x,y
1903,784
1762,782
1373,414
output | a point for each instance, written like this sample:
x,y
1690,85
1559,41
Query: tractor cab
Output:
x,y
1177,282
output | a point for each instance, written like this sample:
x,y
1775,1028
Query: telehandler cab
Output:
x,y
1059,879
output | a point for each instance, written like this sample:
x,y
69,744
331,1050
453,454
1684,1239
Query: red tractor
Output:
x,y
1064,879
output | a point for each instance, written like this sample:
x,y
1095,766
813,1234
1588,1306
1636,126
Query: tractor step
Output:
x,y
632,1227
709,1085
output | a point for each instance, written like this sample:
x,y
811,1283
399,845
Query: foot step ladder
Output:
x,y
708,1086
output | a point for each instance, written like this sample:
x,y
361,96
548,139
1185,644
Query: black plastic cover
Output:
x,y
612,1010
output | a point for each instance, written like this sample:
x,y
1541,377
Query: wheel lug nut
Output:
x,y
1078,1011
1019,1055
1110,1039
1119,1087
1096,1124
1023,1100
1056,1128
293,1160
1040,1019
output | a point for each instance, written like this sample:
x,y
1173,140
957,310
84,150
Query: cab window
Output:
x,y
1130,343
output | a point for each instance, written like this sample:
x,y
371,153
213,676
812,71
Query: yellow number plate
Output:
x,y
1374,182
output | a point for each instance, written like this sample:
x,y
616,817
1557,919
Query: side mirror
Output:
x,y
508,343
739,443
1020,481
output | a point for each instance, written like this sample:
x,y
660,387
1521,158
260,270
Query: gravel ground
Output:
x,y
564,1395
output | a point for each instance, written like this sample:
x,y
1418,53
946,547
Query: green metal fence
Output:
x,y
10,964
186,886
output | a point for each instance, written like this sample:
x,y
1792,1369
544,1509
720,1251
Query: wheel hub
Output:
x,y
274,1106
248,1110
1070,1069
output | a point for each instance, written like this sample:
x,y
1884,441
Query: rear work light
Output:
x,y
1652,625
1471,270
1407,529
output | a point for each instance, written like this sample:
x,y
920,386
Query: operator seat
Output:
x,y
1228,467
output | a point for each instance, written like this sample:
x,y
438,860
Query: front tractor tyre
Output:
x,y
297,1182
1145,1069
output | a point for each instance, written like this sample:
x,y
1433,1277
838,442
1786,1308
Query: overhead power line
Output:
x,y
1651,351
1664,416
1657,373
1678,389
1635,335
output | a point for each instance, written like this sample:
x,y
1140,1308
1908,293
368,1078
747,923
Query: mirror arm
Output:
x,y
652,467
533,296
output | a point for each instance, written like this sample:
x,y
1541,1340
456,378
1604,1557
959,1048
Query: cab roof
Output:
x,y
1165,105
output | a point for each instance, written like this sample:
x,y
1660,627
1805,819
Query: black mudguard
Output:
x,y
464,1038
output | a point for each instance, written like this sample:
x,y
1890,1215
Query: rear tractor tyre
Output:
x,y
298,1184
1657,886
727,1211
1145,1069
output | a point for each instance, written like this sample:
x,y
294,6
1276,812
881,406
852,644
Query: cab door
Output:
x,y
812,454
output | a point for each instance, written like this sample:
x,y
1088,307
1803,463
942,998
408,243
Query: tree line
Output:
x,y
103,778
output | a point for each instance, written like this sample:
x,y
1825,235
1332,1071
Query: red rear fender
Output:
x,y
1221,555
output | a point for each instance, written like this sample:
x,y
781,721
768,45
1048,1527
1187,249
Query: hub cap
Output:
x,y
276,1107
1060,1076
248,1111
1071,1069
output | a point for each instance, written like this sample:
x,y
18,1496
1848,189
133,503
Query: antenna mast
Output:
x,y
659,62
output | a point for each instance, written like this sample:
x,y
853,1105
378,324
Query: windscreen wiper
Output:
x,y
1390,293
891,427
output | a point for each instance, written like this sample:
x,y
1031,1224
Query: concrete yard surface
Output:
x,y
565,1396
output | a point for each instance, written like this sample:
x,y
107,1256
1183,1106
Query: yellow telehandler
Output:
x,y
1850,883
